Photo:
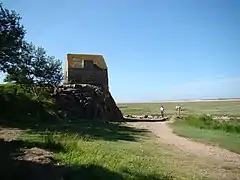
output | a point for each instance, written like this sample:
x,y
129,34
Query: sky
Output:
x,y
155,49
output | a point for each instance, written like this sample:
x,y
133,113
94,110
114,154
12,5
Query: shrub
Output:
x,y
206,122
16,105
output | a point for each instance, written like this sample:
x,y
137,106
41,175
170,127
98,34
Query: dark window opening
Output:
x,y
88,64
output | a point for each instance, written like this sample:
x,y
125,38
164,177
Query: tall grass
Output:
x,y
206,122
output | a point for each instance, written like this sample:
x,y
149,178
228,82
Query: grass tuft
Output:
x,y
206,122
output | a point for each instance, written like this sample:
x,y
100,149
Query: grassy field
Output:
x,y
97,150
229,139
103,151
217,108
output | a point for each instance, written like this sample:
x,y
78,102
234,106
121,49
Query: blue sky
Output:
x,y
155,50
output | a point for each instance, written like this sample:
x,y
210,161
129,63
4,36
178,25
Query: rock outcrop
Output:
x,y
86,101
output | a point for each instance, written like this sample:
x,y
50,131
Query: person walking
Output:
x,y
162,111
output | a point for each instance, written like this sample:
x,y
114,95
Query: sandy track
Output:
x,y
220,163
164,132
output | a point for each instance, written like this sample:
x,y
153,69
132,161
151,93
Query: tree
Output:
x,y
47,70
25,64
36,70
11,39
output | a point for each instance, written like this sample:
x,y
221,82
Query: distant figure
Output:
x,y
162,111
178,109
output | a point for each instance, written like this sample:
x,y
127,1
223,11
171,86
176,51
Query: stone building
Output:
x,y
85,91
86,69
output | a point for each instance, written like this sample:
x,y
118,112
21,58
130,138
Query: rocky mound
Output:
x,y
85,101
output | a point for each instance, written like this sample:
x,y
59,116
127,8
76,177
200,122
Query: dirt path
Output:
x,y
220,162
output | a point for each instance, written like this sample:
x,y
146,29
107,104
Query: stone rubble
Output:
x,y
86,101
35,154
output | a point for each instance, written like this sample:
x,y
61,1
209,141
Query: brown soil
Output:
x,y
21,162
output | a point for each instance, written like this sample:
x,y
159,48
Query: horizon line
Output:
x,y
185,100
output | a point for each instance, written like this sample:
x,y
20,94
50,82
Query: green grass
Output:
x,y
96,150
206,122
129,154
217,108
224,135
124,159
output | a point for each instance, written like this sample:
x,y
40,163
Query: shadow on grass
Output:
x,y
22,108
14,169
109,131
20,111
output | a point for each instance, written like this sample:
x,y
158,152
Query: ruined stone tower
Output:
x,y
85,91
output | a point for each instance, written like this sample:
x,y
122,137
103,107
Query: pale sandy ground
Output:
x,y
209,160
205,100
177,101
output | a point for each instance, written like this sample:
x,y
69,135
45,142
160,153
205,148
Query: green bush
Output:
x,y
206,122
18,105
10,88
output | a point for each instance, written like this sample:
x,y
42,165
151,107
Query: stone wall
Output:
x,y
89,74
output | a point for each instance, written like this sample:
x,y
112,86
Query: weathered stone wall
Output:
x,y
88,76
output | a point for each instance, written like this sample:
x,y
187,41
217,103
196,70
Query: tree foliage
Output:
x,y
25,63
11,38
36,69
